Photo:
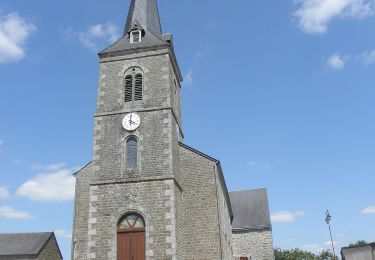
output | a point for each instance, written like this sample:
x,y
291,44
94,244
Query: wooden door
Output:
x,y
131,245
131,239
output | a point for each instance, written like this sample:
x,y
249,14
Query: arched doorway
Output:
x,y
131,238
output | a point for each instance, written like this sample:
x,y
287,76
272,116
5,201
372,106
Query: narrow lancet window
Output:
x,y
131,153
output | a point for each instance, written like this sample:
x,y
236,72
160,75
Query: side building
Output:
x,y
29,246
252,229
361,252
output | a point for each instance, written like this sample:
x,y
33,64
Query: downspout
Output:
x,y
218,210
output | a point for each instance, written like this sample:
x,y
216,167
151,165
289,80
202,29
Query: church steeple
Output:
x,y
142,30
146,14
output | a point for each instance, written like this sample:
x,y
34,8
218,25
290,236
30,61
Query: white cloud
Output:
x,y
368,210
48,167
315,15
17,162
4,193
1,144
11,213
314,248
286,216
14,32
289,239
253,163
188,77
329,243
97,34
63,233
360,8
336,62
262,166
368,57
56,186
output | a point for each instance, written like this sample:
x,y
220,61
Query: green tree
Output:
x,y
359,243
293,254
326,255
298,254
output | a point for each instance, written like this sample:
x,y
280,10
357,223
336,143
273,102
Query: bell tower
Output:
x,y
139,77
127,197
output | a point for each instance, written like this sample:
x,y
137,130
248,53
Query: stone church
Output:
x,y
146,194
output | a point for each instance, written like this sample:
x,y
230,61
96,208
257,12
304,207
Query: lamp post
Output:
x,y
328,220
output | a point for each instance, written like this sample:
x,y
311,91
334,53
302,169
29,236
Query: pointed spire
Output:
x,y
146,14
144,17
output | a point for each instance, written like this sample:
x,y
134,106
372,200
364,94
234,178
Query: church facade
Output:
x,y
146,194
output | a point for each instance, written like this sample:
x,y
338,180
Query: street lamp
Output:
x,y
328,220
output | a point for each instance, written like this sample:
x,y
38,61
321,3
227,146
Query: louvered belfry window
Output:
x,y
138,87
131,153
134,85
128,88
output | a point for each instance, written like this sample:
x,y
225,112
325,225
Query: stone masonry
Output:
x,y
180,192
257,245
166,186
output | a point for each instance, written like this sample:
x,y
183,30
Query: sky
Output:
x,y
282,92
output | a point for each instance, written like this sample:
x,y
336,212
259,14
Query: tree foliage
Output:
x,y
298,254
359,243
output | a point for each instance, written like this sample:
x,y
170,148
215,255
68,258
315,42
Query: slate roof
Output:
x,y
250,210
23,243
144,13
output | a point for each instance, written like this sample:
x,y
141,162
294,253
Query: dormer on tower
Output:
x,y
136,32
142,32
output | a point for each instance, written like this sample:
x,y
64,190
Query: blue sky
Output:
x,y
295,78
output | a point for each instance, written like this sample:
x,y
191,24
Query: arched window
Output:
x,y
131,152
131,237
131,221
133,85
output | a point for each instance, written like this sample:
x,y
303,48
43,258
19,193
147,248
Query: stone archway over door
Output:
x,y
131,238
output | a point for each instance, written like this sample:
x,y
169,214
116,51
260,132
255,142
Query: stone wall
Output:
x,y
177,191
154,200
50,251
225,226
201,220
255,244
81,213
359,252
157,145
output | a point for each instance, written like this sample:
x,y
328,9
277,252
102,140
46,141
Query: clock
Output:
x,y
131,121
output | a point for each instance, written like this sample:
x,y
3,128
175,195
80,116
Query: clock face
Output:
x,y
131,121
